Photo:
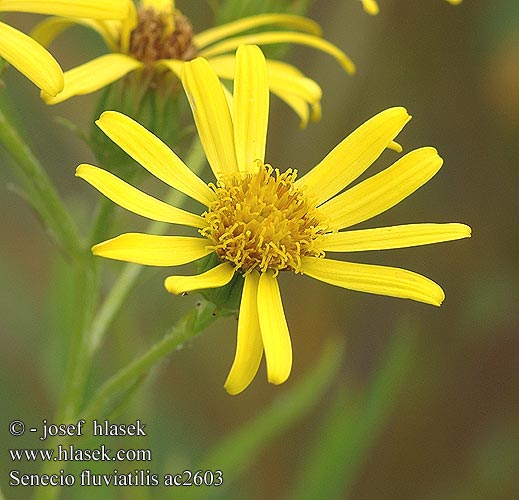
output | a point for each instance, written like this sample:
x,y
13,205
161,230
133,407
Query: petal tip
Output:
x,y
81,170
96,249
48,98
438,297
103,116
401,110
107,115
169,284
278,378
233,389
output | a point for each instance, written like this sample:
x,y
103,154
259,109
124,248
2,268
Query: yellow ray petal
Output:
x,y
395,146
166,6
285,81
153,155
46,31
282,77
212,116
282,74
127,25
383,238
251,107
225,67
299,93
110,30
316,111
381,280
227,70
249,346
214,278
281,67
370,6
289,21
93,9
274,329
93,76
454,2
281,37
31,59
298,105
174,65
134,200
153,250
382,191
351,157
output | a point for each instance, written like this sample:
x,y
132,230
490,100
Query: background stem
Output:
x,y
131,272
39,191
189,325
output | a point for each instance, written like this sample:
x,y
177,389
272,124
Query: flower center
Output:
x,y
262,221
153,38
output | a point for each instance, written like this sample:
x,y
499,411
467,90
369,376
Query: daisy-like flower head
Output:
x,y
371,6
157,38
28,56
260,221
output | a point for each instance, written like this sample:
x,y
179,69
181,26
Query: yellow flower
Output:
x,y
371,6
157,38
28,56
260,221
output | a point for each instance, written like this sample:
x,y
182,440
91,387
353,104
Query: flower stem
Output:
x,y
131,272
39,191
189,325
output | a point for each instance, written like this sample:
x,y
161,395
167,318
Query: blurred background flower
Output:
x,y
446,423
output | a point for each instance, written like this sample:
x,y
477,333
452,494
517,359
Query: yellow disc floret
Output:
x,y
262,221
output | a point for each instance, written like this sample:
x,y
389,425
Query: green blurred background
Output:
x,y
423,403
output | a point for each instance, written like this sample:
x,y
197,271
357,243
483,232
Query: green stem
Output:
x,y
77,369
78,362
103,220
131,272
106,313
189,325
193,323
40,192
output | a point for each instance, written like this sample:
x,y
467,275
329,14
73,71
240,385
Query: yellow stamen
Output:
x,y
262,221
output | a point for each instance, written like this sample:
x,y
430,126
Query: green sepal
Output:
x,y
158,109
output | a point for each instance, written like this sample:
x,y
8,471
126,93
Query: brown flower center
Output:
x,y
153,38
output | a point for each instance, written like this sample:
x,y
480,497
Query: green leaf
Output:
x,y
353,425
112,393
237,451
230,10
39,191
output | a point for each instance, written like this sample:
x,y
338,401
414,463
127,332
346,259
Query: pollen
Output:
x,y
261,221
154,38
